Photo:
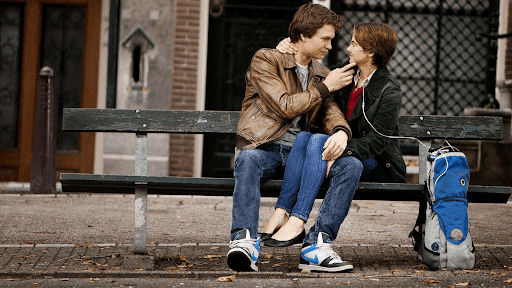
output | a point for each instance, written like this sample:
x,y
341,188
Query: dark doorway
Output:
x,y
233,38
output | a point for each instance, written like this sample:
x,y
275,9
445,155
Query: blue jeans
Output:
x,y
253,166
343,179
303,176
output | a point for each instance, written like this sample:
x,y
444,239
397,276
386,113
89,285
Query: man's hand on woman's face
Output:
x,y
340,77
286,46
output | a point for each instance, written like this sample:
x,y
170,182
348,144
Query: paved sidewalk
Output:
x,y
76,240
373,265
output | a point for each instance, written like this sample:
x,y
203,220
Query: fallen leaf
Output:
x,y
227,278
462,284
396,271
212,256
64,279
94,279
473,271
214,248
429,281
508,281
100,262
183,258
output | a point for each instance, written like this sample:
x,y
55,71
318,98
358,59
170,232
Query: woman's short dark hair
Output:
x,y
311,17
377,38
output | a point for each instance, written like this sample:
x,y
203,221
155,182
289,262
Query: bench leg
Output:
x,y
141,219
423,154
141,194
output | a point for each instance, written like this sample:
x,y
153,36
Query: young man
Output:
x,y
286,94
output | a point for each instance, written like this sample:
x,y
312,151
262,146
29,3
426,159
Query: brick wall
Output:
x,y
184,78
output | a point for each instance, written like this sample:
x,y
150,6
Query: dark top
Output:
x,y
383,100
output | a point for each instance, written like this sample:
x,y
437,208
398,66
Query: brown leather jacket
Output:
x,y
274,97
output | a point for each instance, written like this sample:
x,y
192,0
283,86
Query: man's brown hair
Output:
x,y
311,17
378,38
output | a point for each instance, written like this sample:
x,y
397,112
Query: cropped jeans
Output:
x,y
305,173
253,166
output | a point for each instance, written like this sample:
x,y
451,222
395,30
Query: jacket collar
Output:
x,y
371,92
315,68
377,82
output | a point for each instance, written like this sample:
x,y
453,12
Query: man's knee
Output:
x,y
347,164
247,157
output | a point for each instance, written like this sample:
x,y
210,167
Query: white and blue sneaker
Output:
x,y
244,252
320,257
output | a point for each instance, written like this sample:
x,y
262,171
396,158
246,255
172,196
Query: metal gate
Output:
x,y
443,61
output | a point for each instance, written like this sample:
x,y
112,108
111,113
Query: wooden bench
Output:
x,y
142,122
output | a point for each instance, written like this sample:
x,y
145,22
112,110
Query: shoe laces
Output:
x,y
326,249
244,242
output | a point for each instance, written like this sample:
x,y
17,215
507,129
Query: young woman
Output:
x,y
371,106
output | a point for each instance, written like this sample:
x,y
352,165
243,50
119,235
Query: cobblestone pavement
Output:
x,y
196,257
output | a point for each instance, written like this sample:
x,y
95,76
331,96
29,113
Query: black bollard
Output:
x,y
43,176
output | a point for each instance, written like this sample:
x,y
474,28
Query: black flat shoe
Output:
x,y
265,236
277,243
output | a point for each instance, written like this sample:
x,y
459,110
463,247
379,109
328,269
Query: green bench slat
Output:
x,y
76,182
192,122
